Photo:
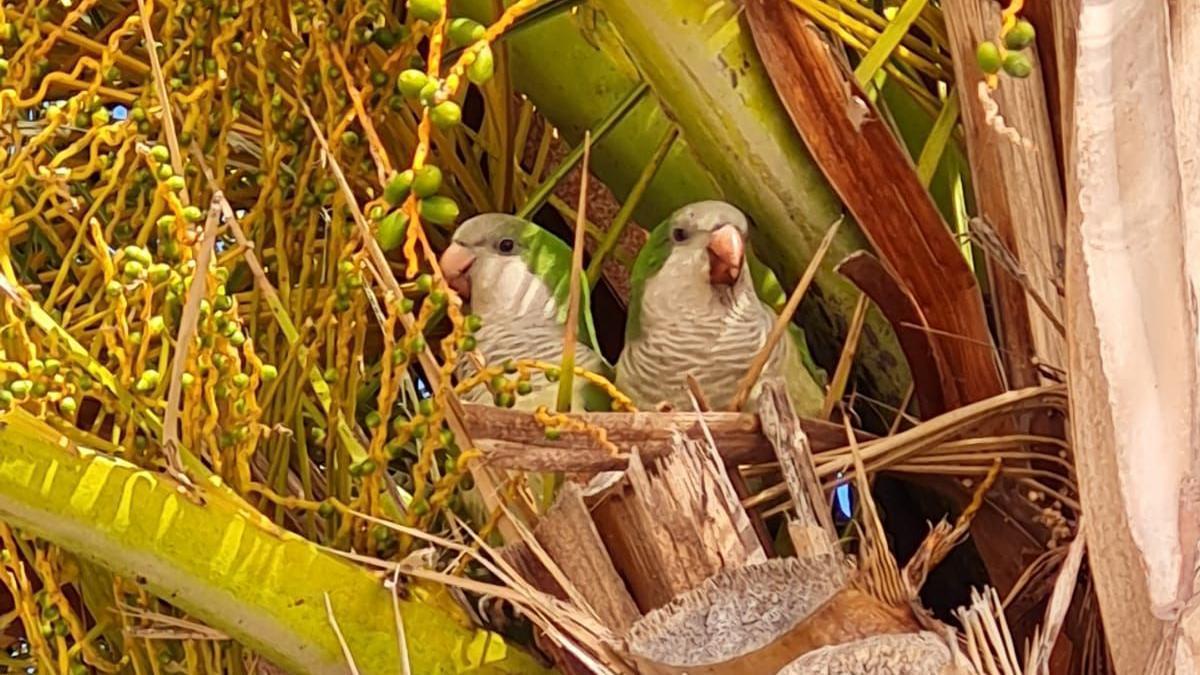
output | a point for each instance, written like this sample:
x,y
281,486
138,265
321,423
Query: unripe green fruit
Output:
x,y
1017,65
269,372
427,181
425,283
411,82
398,187
426,10
445,114
160,153
176,183
439,210
373,419
988,57
464,31
391,230
483,67
67,405
192,214
1021,36
429,92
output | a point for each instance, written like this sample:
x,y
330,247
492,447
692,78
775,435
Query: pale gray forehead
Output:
x,y
485,227
709,215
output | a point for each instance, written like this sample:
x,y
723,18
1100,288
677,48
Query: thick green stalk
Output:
x,y
737,143
227,565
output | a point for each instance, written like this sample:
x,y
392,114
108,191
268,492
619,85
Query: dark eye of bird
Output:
x,y
506,245
679,234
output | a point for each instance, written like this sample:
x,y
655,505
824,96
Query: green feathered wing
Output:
x,y
549,259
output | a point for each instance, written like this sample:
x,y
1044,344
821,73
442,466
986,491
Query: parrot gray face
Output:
x,y
486,265
705,267
516,278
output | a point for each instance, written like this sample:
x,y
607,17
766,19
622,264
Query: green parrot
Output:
x,y
516,277
694,307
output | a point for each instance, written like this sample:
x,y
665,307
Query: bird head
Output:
x,y
717,229
697,256
508,268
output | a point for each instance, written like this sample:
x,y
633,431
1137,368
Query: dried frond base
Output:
x,y
759,618
916,654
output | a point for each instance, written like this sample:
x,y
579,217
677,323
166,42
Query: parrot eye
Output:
x,y
679,234
506,245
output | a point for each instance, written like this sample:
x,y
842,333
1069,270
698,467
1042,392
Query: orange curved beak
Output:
x,y
456,261
726,252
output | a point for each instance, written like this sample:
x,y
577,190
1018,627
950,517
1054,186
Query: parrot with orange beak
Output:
x,y
516,277
694,308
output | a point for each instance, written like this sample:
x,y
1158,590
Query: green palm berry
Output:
x,y
397,188
504,400
426,181
269,372
241,380
156,325
159,272
417,344
139,254
467,343
987,54
330,375
410,82
425,407
160,153
552,433
113,288
52,367
425,283
67,405
483,67
1017,65
326,510
20,388
367,467
1020,36
445,114
132,269
349,138
439,210
473,323
373,419
552,374
438,297
524,387
391,230
428,93
147,381
176,183
187,379
509,366
426,10
464,31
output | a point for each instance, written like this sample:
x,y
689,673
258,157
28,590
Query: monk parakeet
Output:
x,y
694,308
516,277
